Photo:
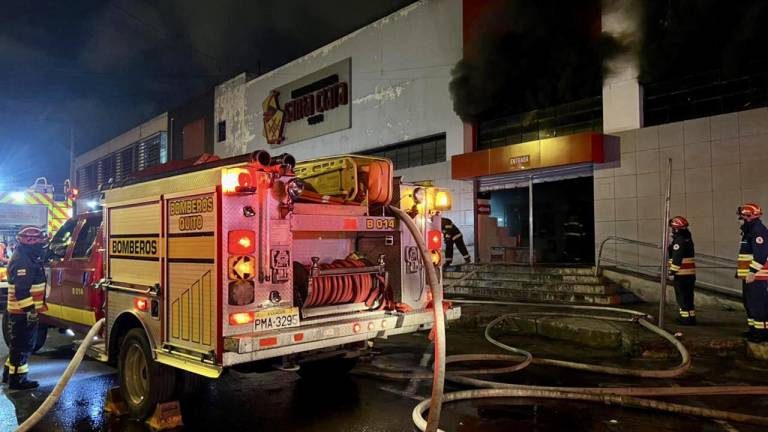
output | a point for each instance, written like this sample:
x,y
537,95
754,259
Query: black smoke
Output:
x,y
532,54
686,37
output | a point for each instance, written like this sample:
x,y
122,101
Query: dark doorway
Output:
x,y
563,222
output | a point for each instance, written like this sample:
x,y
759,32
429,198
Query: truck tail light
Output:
x,y
434,240
237,180
140,304
242,242
241,318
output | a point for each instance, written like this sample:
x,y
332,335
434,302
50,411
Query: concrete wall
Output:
x,y
229,106
717,163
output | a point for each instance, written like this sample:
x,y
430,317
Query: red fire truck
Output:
x,y
241,262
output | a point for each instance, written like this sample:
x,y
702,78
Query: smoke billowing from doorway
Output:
x,y
527,54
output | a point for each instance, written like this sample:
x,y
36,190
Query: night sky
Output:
x,y
99,68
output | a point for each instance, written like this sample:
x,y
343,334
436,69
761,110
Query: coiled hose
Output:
x,y
623,396
52,398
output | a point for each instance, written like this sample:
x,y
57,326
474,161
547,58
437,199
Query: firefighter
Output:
x,y
26,299
452,236
682,267
753,252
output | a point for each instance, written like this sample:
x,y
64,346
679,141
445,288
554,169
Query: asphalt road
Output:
x,y
281,401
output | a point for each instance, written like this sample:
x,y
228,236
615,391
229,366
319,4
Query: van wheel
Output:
x,y
327,369
143,382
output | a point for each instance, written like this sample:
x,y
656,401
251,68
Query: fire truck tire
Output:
x,y
327,369
40,336
143,382
188,383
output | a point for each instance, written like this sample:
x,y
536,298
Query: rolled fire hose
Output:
x,y
438,378
52,398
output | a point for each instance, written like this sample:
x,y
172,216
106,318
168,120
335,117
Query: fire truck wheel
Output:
x,y
327,369
143,382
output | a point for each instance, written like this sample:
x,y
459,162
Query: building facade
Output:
x,y
381,90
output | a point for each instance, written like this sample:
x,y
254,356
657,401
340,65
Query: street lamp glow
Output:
x,y
18,197
92,204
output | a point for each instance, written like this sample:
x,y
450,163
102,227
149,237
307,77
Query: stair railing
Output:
x,y
705,266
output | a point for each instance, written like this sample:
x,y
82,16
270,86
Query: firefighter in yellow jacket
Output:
x,y
682,266
26,298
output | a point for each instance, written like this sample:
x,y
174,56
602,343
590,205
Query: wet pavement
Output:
x,y
281,401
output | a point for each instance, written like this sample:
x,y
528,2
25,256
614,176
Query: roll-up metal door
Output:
x,y
522,178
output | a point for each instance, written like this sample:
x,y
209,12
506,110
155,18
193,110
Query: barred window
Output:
x,y
414,153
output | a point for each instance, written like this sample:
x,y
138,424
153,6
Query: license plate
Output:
x,y
273,319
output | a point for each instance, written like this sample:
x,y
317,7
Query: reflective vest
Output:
x,y
682,261
753,251
26,284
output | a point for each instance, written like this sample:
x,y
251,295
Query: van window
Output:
x,y
86,238
62,239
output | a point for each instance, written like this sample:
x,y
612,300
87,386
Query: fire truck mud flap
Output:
x,y
258,346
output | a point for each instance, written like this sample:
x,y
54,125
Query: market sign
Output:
x,y
314,105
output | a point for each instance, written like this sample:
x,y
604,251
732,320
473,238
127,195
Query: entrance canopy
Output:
x,y
569,153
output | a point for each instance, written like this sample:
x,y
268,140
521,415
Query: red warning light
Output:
x,y
242,242
434,240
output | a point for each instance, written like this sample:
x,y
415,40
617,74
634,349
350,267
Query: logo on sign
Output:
x,y
274,119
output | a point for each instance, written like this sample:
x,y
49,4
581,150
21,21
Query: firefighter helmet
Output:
x,y
30,235
749,211
678,222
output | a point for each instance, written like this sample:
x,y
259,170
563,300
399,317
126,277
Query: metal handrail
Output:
x,y
716,261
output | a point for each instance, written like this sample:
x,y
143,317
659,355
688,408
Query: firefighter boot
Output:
x,y
686,321
21,382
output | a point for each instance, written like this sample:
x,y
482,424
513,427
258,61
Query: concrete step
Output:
x,y
524,277
509,268
536,286
538,295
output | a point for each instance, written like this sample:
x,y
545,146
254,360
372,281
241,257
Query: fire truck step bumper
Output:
x,y
258,346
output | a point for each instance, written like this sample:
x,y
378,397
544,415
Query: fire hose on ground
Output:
x,y
622,396
54,396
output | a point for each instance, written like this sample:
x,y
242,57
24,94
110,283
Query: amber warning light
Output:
x,y
237,180
241,318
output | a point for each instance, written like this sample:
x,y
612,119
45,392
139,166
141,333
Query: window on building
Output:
x,y
414,153
222,131
584,115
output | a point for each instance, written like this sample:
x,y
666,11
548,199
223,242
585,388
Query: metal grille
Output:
x,y
123,163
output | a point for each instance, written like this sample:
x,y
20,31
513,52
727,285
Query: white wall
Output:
x,y
229,106
401,68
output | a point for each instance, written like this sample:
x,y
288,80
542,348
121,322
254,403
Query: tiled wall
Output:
x,y
717,163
